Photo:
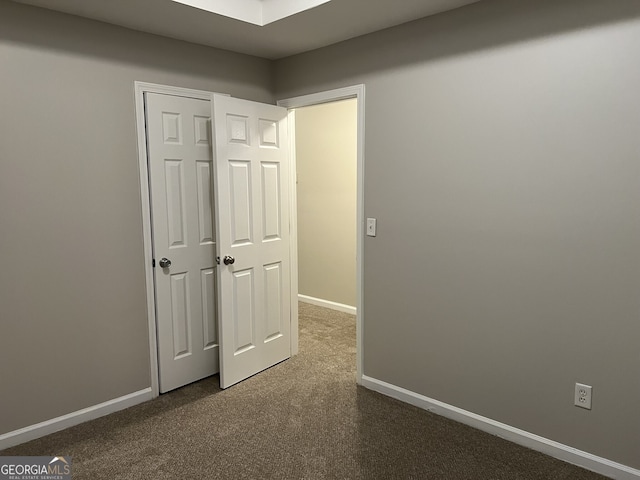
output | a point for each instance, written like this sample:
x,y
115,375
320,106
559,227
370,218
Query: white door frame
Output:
x,y
357,92
140,89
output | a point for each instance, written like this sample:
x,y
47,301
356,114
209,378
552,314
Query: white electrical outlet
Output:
x,y
582,397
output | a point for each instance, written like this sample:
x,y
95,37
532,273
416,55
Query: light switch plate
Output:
x,y
371,227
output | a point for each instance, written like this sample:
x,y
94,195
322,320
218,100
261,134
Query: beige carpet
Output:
x,y
302,419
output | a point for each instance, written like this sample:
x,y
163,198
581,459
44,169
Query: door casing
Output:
x,y
356,91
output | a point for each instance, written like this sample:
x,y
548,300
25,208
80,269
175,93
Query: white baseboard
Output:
x,y
47,427
558,450
327,304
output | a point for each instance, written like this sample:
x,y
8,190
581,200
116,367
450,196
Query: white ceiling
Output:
x,y
317,27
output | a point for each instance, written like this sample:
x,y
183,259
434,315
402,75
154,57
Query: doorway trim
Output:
x,y
145,197
357,92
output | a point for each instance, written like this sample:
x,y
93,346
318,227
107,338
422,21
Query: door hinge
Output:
x,y
153,263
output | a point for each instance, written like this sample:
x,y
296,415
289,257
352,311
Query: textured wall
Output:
x,y
74,329
326,157
502,162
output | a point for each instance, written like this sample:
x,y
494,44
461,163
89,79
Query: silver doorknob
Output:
x,y
165,263
229,260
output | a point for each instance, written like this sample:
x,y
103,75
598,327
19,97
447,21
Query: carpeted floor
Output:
x,y
302,419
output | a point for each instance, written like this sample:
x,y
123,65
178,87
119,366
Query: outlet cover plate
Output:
x,y
371,227
582,396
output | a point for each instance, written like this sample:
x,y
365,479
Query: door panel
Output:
x,y
241,217
180,173
251,178
175,203
209,293
243,311
273,300
271,201
180,314
205,202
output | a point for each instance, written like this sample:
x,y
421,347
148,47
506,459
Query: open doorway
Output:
x,y
326,181
356,92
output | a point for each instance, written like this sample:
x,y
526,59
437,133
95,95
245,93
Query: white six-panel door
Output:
x,y
252,205
181,171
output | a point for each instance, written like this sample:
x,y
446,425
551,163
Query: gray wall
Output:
x,y
503,164
326,166
72,290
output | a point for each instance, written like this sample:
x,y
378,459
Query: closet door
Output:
x,y
252,211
